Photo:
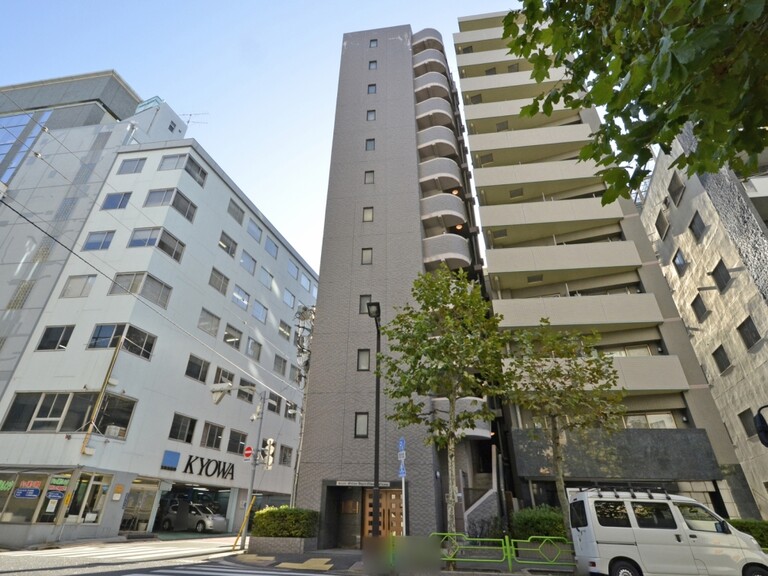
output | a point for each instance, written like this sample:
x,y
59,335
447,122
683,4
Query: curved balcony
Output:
x,y
434,112
446,209
482,429
431,85
439,174
426,39
430,60
449,248
437,141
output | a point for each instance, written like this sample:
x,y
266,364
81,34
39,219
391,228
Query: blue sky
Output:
x,y
260,76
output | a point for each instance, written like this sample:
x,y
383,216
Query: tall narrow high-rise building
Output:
x,y
398,205
552,250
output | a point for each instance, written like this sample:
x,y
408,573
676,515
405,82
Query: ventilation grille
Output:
x,y
20,295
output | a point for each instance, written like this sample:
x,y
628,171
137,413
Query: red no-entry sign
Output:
x,y
247,452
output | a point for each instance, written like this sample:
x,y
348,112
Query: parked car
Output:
x,y
190,516
643,533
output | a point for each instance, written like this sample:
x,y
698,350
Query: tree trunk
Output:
x,y
452,465
558,467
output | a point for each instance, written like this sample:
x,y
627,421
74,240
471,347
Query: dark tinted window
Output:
x,y
612,514
653,515
578,514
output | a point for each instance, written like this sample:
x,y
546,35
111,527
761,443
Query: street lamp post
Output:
x,y
374,311
254,462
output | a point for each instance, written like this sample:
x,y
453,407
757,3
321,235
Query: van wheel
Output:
x,y
623,568
200,527
756,571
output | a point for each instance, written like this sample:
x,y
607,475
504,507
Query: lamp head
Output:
x,y
374,310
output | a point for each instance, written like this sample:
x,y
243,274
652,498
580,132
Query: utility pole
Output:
x,y
254,463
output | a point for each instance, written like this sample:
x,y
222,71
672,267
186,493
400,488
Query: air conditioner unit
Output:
x,y
115,431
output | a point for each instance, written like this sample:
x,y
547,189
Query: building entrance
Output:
x,y
390,513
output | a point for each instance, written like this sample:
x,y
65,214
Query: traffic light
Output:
x,y
269,451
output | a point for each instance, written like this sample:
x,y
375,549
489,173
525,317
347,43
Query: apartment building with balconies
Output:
x,y
553,251
399,203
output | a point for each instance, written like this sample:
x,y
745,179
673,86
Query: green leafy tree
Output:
x,y
567,385
654,65
445,345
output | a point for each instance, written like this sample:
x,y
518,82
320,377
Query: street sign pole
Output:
x,y
254,462
401,457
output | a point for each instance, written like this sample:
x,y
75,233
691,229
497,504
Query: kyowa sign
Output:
x,y
209,467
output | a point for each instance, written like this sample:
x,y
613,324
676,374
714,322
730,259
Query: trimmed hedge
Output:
x,y
285,522
538,521
758,529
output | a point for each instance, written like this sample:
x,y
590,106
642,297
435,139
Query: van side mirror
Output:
x,y
722,527
761,426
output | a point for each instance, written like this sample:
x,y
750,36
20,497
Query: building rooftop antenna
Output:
x,y
188,117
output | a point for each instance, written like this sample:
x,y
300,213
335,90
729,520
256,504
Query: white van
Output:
x,y
657,534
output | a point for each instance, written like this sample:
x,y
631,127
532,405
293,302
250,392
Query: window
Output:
x,y
613,514
289,298
218,281
659,420
106,335
174,198
235,211
131,166
370,115
662,224
139,342
305,283
514,67
748,422
363,359
291,409
271,247
232,336
679,262
248,262
366,256
253,349
284,330
236,444
370,144
676,188
144,237
279,365
371,88
227,244
99,240
748,332
490,71
286,455
259,311
361,424
246,390
265,277
368,177
699,519
171,126
116,201
196,171
697,227
373,65
254,230
721,359
654,515
699,308
368,214
240,297
172,162
208,322
182,428
142,283
293,270
78,286
578,514
722,276
223,376
364,299
197,368
55,338
212,434
274,403
373,43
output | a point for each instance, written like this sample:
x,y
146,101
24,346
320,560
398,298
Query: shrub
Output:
x,y
538,521
758,529
285,522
